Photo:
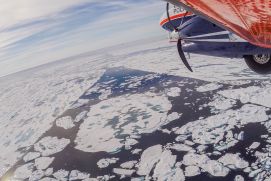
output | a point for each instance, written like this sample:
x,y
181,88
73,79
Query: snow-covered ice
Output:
x,y
173,92
32,100
209,87
148,159
24,171
252,94
65,122
61,175
254,145
36,175
51,145
233,161
96,134
105,162
77,175
164,167
43,162
129,164
192,170
121,171
31,156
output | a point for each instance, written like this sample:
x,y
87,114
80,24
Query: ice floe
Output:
x,y
61,175
213,167
148,159
209,87
164,167
191,171
49,171
48,179
65,122
129,164
123,172
77,175
36,175
173,92
173,116
129,142
51,145
252,94
43,162
24,171
105,162
239,178
125,115
180,147
233,161
80,116
254,145
211,130
221,103
79,103
136,151
31,156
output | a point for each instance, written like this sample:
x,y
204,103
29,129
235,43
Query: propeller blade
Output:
x,y
181,53
169,20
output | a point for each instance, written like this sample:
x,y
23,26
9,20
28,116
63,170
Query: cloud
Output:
x,y
35,32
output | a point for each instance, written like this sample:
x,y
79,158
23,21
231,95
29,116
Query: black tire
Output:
x,y
260,68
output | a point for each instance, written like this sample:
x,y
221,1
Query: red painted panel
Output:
x,y
250,19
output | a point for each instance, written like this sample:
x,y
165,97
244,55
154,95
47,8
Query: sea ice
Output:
x,y
24,171
209,87
32,100
233,161
211,130
239,178
180,147
164,167
148,159
252,94
49,179
128,165
77,175
36,175
121,171
191,171
65,122
129,142
213,167
51,145
110,119
31,156
43,162
220,103
80,116
254,145
105,162
136,151
173,92
49,171
61,175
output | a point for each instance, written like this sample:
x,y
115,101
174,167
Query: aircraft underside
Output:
x,y
196,34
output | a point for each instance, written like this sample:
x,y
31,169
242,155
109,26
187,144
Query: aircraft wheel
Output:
x,y
260,64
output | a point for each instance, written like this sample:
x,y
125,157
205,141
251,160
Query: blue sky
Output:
x,y
35,32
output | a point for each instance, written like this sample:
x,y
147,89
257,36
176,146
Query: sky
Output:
x,y
35,32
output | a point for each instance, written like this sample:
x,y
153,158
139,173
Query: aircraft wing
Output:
x,y
250,19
